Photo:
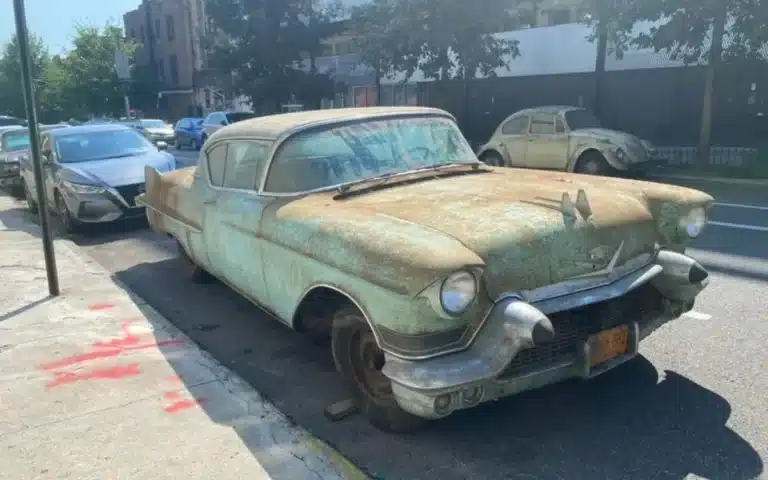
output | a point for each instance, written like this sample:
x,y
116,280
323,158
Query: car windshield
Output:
x,y
579,119
13,141
239,116
85,147
152,123
351,153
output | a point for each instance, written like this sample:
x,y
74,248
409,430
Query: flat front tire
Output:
x,y
70,224
359,360
492,159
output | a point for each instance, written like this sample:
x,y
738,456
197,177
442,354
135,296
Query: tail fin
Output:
x,y
152,179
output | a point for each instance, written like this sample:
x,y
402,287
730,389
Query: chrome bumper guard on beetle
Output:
x,y
436,387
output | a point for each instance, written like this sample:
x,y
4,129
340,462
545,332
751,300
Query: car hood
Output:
x,y
615,136
512,220
115,172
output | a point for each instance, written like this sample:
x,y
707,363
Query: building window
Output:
x,y
133,34
173,61
160,70
169,27
559,17
157,28
143,35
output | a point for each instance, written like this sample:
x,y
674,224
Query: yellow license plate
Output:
x,y
608,344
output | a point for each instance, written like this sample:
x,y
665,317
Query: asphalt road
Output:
x,y
694,404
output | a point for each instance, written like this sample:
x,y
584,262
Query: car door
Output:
x,y
513,140
233,217
547,143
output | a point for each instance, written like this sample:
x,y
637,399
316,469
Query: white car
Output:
x,y
217,120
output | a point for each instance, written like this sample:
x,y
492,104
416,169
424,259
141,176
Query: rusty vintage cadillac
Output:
x,y
443,282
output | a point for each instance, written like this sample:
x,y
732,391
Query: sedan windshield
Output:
x,y
13,141
152,123
351,153
86,147
580,119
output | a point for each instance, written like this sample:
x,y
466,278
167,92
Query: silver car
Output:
x,y
569,139
217,120
14,147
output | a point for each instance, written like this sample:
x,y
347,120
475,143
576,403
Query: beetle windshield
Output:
x,y
85,147
580,119
349,153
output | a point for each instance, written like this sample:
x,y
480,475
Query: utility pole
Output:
x,y
34,143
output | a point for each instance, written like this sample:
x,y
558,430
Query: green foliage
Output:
x,y
79,83
263,42
445,39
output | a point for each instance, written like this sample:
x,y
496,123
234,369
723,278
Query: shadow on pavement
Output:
x,y
627,423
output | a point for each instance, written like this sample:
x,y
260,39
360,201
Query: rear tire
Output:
x,y
593,163
492,159
177,143
359,361
191,270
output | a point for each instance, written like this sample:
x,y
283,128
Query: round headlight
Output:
x,y
457,292
621,155
693,223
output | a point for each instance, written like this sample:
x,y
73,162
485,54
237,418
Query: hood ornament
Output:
x,y
568,207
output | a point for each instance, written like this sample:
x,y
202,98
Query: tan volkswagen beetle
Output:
x,y
442,282
569,139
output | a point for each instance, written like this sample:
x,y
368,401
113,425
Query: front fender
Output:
x,y
604,149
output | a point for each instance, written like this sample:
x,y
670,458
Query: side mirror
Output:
x,y
162,145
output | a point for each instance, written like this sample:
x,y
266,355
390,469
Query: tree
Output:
x,y
708,32
263,42
445,39
11,98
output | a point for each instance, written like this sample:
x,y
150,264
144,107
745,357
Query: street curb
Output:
x,y
305,440
725,180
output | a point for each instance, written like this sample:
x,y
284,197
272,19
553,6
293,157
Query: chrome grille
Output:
x,y
130,192
572,328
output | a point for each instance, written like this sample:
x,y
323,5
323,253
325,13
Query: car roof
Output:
x,y
548,109
273,126
92,128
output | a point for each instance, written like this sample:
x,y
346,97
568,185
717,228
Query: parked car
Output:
x,y
188,133
443,282
93,173
569,139
6,121
156,130
14,147
218,120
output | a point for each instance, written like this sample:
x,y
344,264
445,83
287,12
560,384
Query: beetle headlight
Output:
x,y
693,223
458,292
621,155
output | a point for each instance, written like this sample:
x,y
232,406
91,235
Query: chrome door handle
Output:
x,y
209,202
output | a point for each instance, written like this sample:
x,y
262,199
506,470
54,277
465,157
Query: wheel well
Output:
x,y
584,154
490,151
315,312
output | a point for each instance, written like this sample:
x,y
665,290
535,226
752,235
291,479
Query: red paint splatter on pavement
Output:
x,y
174,379
100,306
111,348
112,373
181,405
172,395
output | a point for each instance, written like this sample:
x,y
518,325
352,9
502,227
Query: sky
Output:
x,y
55,20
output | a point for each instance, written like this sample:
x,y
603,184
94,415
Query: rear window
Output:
x,y
15,141
239,116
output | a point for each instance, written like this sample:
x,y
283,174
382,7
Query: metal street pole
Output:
x,y
34,143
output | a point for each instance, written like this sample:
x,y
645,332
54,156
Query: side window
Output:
x,y
245,164
217,164
218,118
559,125
516,126
542,124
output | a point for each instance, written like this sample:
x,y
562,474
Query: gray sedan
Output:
x,y
93,173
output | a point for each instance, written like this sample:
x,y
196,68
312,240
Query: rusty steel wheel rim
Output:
x,y
367,362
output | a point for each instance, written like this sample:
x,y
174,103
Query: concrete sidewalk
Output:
x,y
96,384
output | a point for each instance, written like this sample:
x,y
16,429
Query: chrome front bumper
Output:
x,y
488,370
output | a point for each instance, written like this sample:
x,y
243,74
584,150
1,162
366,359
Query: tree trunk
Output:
x,y
713,62
602,49
377,85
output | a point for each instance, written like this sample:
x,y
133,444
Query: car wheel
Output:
x,y
31,203
359,360
493,159
191,269
177,143
593,163
70,224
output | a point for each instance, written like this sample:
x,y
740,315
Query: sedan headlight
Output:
x,y
83,188
693,223
458,292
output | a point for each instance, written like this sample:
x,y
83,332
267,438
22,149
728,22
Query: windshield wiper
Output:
x,y
386,177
